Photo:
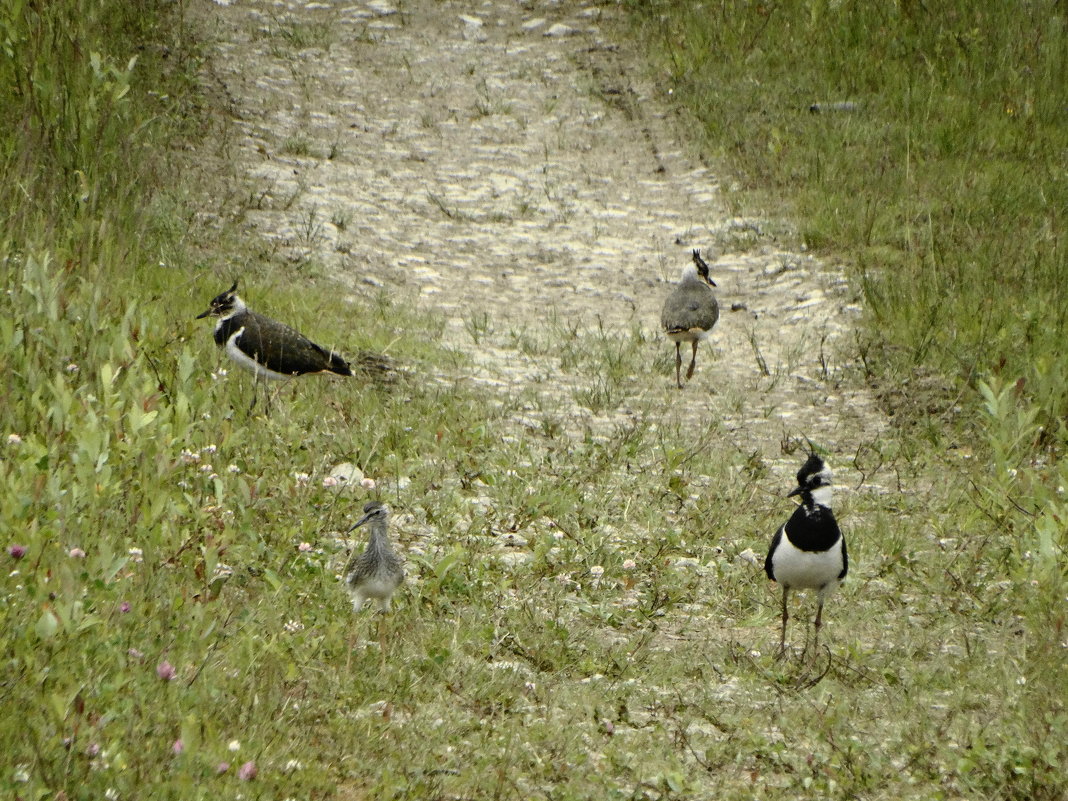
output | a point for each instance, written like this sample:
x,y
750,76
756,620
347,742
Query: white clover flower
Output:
x,y
233,469
330,481
629,564
301,478
234,746
597,571
368,483
14,439
208,449
136,554
188,456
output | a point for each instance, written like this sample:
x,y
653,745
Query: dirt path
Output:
x,y
505,163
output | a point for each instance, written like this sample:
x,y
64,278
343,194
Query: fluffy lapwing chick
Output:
x,y
690,312
377,572
268,348
808,552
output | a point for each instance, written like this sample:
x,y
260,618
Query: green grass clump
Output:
x,y
942,177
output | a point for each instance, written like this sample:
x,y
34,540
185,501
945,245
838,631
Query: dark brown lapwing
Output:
x,y
690,312
808,552
266,347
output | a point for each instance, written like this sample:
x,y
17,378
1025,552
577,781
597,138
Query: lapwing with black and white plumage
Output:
x,y
808,552
690,312
264,346
377,572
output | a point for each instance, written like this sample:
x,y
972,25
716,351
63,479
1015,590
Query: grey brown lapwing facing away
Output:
x,y
377,572
808,552
690,312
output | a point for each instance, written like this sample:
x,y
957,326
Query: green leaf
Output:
x,y
47,625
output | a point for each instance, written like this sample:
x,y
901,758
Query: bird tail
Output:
x,y
339,365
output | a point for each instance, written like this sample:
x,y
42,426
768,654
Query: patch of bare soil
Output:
x,y
505,163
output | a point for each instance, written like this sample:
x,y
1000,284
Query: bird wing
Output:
x,y
690,307
768,568
300,354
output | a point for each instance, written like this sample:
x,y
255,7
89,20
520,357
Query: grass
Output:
x,y
585,615
942,180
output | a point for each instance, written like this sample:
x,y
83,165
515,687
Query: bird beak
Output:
x,y
795,491
711,282
360,522
203,315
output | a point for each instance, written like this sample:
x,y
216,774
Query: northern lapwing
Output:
x,y
808,552
268,348
377,572
690,312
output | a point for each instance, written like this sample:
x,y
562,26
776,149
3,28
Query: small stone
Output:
x,y
382,8
559,29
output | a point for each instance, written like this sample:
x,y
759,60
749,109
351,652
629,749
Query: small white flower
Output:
x,y
304,547
208,449
368,483
233,745
293,626
22,774
136,554
330,481
223,570
629,564
72,368
14,439
596,571
233,469
292,765
183,484
188,456
207,468
301,478
77,553
1022,680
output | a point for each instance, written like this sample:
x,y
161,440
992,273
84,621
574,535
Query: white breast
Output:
x,y
810,570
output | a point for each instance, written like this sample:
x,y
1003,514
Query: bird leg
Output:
x,y
678,364
819,621
785,617
693,361
382,637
